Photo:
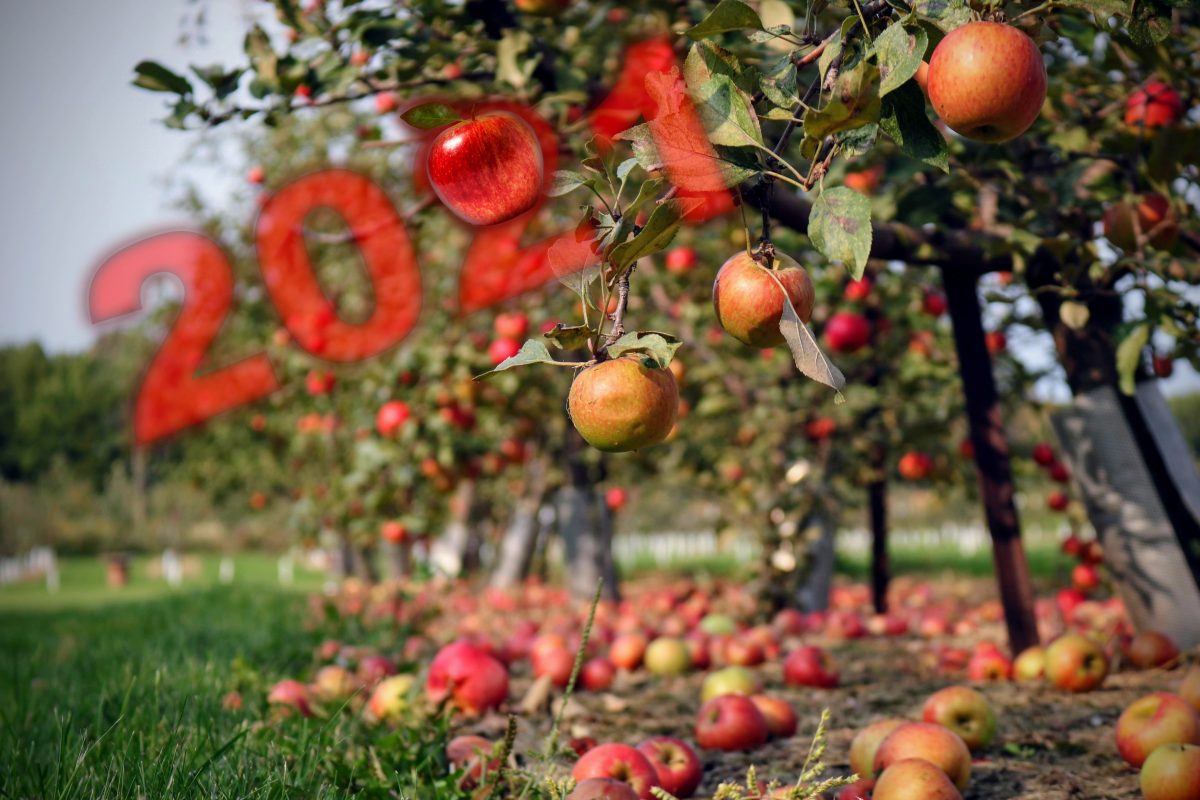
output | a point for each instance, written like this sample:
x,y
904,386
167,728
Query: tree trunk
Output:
x,y
363,560
138,511
814,594
520,538
451,552
991,459
399,559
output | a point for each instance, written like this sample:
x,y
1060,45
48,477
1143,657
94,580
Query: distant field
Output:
x,y
82,581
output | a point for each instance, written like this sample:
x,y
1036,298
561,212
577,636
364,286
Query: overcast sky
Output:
x,y
82,155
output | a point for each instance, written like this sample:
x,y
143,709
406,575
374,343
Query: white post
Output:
x,y
225,570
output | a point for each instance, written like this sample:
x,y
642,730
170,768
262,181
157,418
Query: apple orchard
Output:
x,y
504,269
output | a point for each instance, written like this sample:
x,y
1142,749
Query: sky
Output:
x,y
82,154
83,157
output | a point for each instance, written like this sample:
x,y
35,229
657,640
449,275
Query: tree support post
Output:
x,y
991,458
880,565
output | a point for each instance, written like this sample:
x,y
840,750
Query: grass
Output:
x,y
82,582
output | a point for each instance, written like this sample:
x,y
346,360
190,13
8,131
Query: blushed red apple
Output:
x,y
487,170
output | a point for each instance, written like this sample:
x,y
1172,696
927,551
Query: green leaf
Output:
x,y
625,167
565,181
806,353
568,337
729,15
904,119
646,192
430,115
840,228
157,78
660,229
727,114
707,59
899,51
1129,356
1074,314
853,102
532,352
659,347
778,82
859,141
946,14
262,56
216,78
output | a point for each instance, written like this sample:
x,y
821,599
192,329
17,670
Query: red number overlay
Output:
x,y
172,395
383,241
496,268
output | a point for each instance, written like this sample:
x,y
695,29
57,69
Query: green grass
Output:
x,y
82,582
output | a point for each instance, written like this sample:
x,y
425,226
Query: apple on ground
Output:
x,y
780,717
389,700
865,744
1075,663
474,756
933,743
1156,719
731,722
374,668
989,666
964,711
676,763
914,779
987,81
1030,664
602,789
748,297
730,680
474,680
667,655
597,674
743,652
1171,772
621,762
291,695
1150,649
555,662
488,169
1189,687
859,790
627,651
810,666
333,682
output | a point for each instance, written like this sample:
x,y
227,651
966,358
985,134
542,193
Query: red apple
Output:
x,y
472,755
996,342
622,404
847,332
1075,663
1085,578
989,666
987,81
964,711
597,674
914,779
743,652
391,416
1171,772
602,789
1153,106
555,662
859,790
472,679
681,260
1150,649
748,298
780,717
915,466
934,304
1058,472
1163,366
1043,454
937,745
291,695
394,532
616,498
256,175
810,666
488,169
1156,719
385,103
513,325
620,762
627,651
866,743
859,290
678,767
501,350
374,668
1057,500
731,722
